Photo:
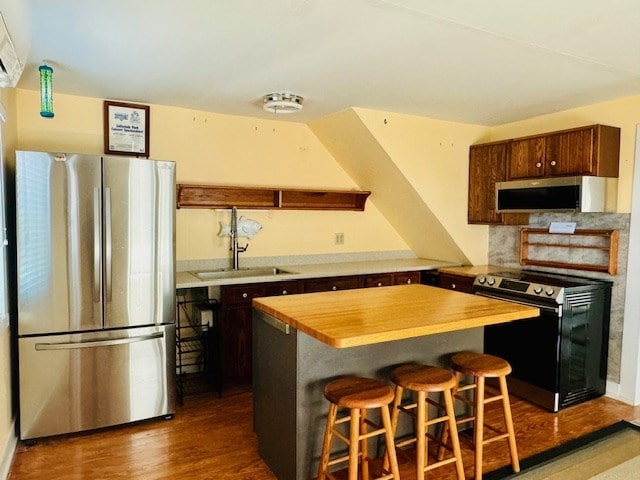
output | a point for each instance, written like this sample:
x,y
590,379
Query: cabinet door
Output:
x,y
487,165
406,278
380,280
571,153
527,158
235,344
271,289
332,284
461,283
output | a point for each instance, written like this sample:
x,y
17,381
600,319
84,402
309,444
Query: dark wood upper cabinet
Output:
x,y
487,165
592,150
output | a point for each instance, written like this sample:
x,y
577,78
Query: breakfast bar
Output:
x,y
301,342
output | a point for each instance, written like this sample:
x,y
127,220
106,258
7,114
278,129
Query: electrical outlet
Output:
x,y
339,240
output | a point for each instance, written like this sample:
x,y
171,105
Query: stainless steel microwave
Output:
x,y
575,194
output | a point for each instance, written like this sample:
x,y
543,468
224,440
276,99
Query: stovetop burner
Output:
x,y
531,284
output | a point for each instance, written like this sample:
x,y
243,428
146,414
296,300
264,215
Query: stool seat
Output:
x,y
358,392
423,378
480,364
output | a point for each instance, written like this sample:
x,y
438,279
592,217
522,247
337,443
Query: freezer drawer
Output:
x,y
71,383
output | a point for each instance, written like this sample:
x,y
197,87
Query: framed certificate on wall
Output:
x,y
126,129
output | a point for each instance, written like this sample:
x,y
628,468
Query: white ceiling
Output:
x,y
485,62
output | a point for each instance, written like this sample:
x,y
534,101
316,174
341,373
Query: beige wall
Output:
x,y
623,113
6,414
433,156
225,149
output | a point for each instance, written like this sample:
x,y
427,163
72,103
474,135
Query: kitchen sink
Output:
x,y
241,273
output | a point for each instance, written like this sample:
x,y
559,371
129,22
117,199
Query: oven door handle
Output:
x,y
556,310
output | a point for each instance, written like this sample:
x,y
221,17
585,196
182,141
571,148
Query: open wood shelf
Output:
x,y
221,196
589,250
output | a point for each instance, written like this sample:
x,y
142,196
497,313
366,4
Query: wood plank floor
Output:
x,y
212,438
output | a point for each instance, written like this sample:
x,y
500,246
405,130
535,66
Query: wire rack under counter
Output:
x,y
196,364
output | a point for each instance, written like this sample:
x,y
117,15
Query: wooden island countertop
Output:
x,y
351,318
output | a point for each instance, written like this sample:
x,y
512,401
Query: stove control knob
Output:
x,y
537,290
491,281
549,291
481,280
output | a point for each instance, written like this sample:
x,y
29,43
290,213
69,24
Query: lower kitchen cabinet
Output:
x,y
234,342
234,338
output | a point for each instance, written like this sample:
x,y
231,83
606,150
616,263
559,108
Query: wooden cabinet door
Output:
x,y
380,280
332,283
234,342
526,158
571,153
406,278
461,283
486,167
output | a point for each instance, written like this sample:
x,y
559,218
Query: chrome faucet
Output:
x,y
234,239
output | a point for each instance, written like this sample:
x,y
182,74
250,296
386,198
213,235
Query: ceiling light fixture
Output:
x,y
282,103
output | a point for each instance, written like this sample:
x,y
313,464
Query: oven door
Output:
x,y
532,347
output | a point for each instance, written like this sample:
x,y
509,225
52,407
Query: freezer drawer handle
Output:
x,y
96,245
108,240
98,343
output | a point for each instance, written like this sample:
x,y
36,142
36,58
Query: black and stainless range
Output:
x,y
559,358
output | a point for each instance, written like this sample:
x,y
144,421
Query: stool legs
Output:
x,y
508,421
421,424
326,444
479,427
358,446
478,402
354,437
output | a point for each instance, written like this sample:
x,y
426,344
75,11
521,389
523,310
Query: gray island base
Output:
x,y
291,368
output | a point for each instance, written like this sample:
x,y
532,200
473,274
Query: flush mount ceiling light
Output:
x,y
282,103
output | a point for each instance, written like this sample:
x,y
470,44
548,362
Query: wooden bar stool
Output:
x,y
358,394
481,366
422,380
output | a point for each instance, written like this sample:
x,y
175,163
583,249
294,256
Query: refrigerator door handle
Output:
x,y
108,245
96,245
97,343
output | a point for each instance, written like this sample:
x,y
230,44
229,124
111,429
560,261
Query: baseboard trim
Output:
x,y
7,454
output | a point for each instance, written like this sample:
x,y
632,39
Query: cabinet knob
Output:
x,y
553,163
379,284
408,280
453,285
284,292
245,295
538,164
334,288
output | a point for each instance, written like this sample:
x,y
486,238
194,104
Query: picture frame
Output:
x,y
126,129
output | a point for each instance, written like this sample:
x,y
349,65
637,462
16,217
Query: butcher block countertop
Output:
x,y
351,318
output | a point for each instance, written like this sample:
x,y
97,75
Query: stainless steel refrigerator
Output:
x,y
96,291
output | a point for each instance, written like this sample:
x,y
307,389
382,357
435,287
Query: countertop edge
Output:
x,y
307,271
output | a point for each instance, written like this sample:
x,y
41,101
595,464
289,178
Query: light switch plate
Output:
x,y
562,227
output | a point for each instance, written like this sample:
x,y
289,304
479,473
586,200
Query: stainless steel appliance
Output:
x,y
96,291
576,194
559,358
